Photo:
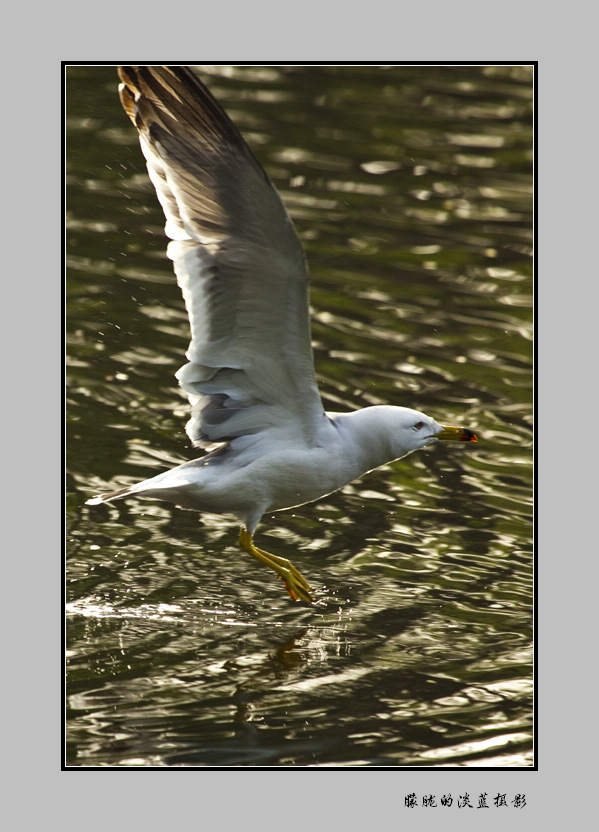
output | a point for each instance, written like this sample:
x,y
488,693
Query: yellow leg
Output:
x,y
295,583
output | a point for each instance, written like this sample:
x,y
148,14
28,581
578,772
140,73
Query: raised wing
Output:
x,y
238,261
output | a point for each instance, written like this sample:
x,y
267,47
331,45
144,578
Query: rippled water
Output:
x,y
411,189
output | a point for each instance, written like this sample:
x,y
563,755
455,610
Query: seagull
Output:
x,y
255,405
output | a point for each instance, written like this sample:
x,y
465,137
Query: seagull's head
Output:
x,y
413,429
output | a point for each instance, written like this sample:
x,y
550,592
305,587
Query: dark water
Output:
x,y
411,189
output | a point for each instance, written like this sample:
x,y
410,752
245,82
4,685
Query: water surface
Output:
x,y
411,190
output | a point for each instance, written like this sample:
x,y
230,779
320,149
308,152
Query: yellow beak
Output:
x,y
456,434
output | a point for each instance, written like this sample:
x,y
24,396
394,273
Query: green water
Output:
x,y
411,190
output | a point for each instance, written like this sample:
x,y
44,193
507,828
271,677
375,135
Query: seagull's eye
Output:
x,y
418,425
